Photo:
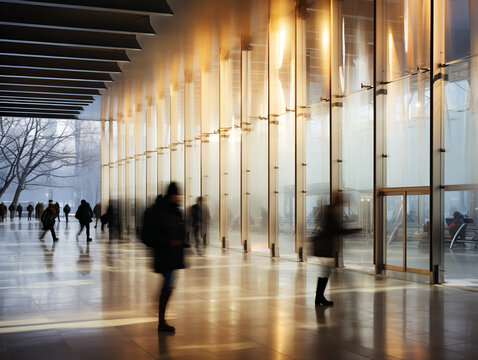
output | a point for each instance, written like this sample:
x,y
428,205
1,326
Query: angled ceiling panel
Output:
x,y
30,114
54,74
4,80
74,19
128,6
56,56
62,52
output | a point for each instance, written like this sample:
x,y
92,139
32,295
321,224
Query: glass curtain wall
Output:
x,y
282,127
192,170
406,128
355,74
317,134
177,136
164,158
255,130
210,152
460,145
230,148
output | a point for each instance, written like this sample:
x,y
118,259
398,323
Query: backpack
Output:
x,y
48,218
148,229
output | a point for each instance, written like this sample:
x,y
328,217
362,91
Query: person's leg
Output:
x,y
321,285
53,234
79,232
87,232
166,292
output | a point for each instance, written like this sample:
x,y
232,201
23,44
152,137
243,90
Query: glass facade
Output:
x,y
265,108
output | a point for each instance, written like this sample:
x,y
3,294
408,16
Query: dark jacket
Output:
x,y
169,234
67,209
11,208
48,217
30,208
19,208
84,213
97,210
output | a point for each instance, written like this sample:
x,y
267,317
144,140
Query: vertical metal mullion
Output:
x,y
404,239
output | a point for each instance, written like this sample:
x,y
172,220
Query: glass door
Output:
x,y
406,217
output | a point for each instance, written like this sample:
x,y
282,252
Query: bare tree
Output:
x,y
12,139
46,154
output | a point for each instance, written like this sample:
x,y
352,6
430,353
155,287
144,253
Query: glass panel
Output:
x,y
407,25
317,134
457,29
210,152
461,124
461,207
394,230
177,136
282,124
255,133
407,132
418,244
356,78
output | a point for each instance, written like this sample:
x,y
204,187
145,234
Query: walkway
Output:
x,y
73,301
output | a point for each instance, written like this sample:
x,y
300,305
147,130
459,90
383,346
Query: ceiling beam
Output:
x,y
126,6
55,74
69,38
16,105
38,110
53,102
26,114
20,95
48,90
62,52
74,19
58,64
52,83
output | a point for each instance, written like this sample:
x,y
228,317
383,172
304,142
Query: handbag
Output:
x,y
323,246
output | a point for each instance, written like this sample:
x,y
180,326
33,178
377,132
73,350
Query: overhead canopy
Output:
x,y
55,56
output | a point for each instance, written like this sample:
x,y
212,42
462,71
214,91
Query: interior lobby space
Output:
x,y
71,300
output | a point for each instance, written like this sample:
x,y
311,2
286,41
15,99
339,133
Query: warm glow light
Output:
x,y
282,35
325,36
418,105
390,53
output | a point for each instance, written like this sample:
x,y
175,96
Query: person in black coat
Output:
x,y
57,209
84,214
30,211
167,231
66,210
19,211
11,208
48,220
3,211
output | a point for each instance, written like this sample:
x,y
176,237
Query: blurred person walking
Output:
x,y
11,208
3,211
84,215
57,208
196,220
66,211
164,230
30,211
37,211
48,220
325,242
97,212
19,211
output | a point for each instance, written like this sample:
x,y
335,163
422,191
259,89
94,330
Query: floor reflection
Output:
x,y
99,300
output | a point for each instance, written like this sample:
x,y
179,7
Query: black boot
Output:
x,y
163,302
319,294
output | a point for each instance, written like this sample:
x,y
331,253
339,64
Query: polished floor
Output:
x,y
73,301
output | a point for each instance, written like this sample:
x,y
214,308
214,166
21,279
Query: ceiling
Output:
x,y
56,56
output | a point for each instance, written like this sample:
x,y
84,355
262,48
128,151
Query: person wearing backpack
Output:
x,y
84,214
48,220
164,230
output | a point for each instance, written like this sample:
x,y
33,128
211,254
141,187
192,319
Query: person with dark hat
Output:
x,y
164,230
